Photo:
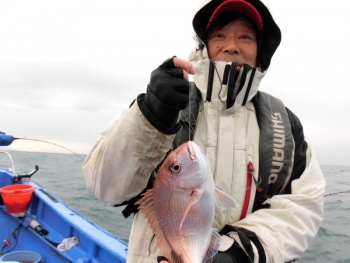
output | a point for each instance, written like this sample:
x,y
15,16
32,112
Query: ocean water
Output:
x,y
62,175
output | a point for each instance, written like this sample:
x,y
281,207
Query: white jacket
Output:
x,y
119,166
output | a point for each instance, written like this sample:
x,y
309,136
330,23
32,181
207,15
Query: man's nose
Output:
x,y
231,46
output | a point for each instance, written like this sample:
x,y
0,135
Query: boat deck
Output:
x,y
95,244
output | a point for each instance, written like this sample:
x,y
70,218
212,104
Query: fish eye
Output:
x,y
175,167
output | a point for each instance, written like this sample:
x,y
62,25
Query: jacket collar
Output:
x,y
223,86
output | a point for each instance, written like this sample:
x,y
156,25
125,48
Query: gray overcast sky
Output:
x,y
68,67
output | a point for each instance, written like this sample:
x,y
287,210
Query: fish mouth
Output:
x,y
191,151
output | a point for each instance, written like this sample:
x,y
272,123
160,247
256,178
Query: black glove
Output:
x,y
161,258
222,257
235,254
167,94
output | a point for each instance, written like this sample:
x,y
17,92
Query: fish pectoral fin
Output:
x,y
196,195
213,245
224,200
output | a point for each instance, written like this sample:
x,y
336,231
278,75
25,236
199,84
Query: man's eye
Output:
x,y
217,35
248,37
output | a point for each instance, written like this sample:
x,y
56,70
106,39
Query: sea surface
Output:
x,y
62,175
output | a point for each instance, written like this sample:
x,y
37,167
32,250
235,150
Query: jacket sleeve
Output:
x,y
286,229
120,163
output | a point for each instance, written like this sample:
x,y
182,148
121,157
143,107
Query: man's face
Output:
x,y
235,42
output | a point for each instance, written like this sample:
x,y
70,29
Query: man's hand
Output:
x,y
167,94
185,65
169,82
161,259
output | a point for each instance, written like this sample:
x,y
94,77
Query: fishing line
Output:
x,y
188,119
190,115
217,73
37,140
189,110
341,192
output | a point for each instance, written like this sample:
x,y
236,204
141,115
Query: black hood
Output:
x,y
270,35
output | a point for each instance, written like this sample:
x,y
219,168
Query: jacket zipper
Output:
x,y
250,170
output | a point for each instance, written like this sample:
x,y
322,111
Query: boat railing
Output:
x,y
11,160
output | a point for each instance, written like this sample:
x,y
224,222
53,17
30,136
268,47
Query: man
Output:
x,y
255,145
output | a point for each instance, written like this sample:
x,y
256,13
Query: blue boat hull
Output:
x,y
95,244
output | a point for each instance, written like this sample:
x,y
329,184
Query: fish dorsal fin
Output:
x,y
213,245
224,200
147,207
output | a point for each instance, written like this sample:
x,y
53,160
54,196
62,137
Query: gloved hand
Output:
x,y
5,140
235,254
223,257
162,259
230,250
167,94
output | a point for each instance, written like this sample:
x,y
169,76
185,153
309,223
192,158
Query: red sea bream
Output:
x,y
180,207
